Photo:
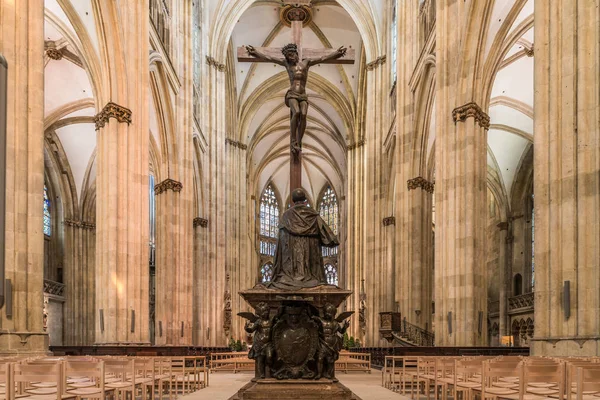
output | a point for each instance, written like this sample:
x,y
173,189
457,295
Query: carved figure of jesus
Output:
x,y
296,98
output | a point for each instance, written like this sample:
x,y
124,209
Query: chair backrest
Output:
x,y
122,369
546,373
92,369
466,369
444,367
588,379
492,370
48,372
144,367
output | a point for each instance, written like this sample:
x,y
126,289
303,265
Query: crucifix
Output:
x,y
296,60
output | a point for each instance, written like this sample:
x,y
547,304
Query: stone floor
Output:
x,y
224,385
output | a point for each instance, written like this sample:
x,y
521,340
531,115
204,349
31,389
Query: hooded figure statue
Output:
x,y
298,257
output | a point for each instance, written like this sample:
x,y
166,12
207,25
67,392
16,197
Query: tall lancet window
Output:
x,y
328,208
47,215
269,219
394,39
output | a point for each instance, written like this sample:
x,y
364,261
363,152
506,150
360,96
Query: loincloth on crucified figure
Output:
x,y
290,94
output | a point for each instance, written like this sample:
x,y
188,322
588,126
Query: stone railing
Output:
x,y
55,288
416,335
161,20
523,301
391,327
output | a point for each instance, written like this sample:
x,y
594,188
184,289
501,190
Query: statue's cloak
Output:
x,y
298,257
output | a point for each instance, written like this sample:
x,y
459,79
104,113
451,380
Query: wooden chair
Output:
x,y
492,371
85,379
467,377
444,376
120,376
162,376
541,381
49,374
588,380
425,375
144,375
572,367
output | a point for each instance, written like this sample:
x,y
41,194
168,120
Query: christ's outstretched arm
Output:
x,y
332,56
255,53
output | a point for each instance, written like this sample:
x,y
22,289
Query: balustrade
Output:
x,y
522,301
54,288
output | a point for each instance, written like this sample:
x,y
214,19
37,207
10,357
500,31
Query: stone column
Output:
x,y
414,193
22,44
173,273
80,286
567,178
200,332
461,172
122,218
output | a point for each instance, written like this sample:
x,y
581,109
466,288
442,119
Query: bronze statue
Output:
x,y
298,257
296,98
262,348
331,341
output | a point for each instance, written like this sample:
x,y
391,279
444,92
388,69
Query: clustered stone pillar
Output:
x,y
22,44
122,217
80,285
567,178
367,250
414,192
173,273
461,177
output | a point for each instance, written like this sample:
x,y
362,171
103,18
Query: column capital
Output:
x,y
202,222
166,185
216,64
471,109
376,62
420,182
112,110
387,221
356,144
79,224
237,144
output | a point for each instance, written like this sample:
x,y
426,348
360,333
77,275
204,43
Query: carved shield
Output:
x,y
296,344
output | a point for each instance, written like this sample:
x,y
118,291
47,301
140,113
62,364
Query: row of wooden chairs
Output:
x,y
101,378
239,361
512,378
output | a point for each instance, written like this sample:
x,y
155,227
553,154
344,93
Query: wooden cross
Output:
x,y
296,12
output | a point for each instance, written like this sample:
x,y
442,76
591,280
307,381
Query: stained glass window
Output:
x,y
47,220
269,220
267,272
269,213
328,208
394,42
331,274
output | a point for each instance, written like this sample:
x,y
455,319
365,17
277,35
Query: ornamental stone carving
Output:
x,y
201,222
79,224
54,53
376,63
420,182
471,109
387,221
215,64
227,302
356,145
168,184
299,13
112,110
237,144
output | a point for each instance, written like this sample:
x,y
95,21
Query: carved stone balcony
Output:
x,y
393,329
54,288
521,304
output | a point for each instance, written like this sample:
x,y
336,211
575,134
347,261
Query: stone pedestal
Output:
x,y
297,338
294,390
